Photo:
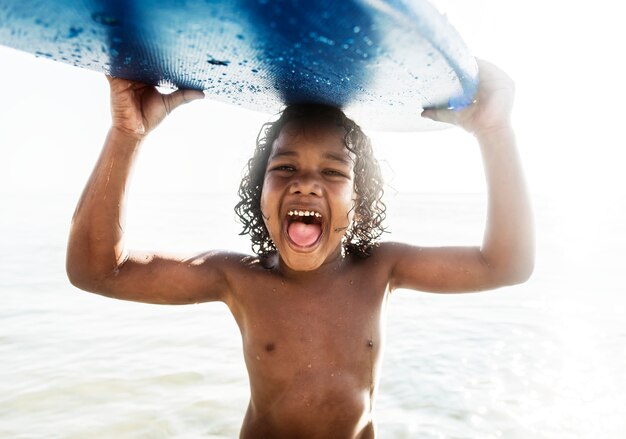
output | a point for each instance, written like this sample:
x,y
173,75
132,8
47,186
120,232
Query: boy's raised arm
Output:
x,y
97,259
507,253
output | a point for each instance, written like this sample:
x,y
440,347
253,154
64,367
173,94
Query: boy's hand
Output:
x,y
492,107
137,108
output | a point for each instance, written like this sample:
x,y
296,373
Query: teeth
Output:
x,y
304,213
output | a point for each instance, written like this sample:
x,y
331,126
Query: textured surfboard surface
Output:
x,y
380,60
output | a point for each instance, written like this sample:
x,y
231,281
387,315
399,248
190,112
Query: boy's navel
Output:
x,y
269,347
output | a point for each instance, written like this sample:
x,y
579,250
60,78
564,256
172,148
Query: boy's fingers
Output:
x,y
179,97
439,115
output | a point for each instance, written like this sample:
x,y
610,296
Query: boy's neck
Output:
x,y
332,264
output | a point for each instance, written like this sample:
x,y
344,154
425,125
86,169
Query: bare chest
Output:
x,y
316,330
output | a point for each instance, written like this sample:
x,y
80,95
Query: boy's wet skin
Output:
x,y
311,348
311,319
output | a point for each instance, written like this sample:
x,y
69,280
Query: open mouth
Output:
x,y
304,228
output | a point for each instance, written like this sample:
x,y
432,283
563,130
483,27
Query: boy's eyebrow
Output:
x,y
338,158
283,154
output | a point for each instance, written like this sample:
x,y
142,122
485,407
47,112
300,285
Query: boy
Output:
x,y
310,305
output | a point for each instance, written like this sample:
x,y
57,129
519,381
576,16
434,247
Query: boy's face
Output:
x,y
308,195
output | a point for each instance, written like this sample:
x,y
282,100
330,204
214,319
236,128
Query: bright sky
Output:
x,y
568,116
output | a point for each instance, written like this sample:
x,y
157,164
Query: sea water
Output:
x,y
542,360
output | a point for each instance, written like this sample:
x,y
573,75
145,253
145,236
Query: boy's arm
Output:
x,y
507,254
97,259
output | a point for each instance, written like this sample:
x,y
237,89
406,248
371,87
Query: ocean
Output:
x,y
545,359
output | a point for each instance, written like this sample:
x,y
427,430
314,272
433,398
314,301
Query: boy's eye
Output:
x,y
287,168
334,173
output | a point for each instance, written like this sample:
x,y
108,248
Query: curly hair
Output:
x,y
362,236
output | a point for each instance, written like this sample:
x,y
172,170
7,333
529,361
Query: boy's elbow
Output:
x,y
510,266
88,270
77,277
81,276
518,273
76,265
526,266
522,275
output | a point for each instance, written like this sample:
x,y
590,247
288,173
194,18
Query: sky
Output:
x,y
568,119
54,117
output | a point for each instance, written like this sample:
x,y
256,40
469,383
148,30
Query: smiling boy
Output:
x,y
311,304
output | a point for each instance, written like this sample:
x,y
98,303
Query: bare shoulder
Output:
x,y
395,252
233,266
241,264
390,252
242,269
379,264
391,255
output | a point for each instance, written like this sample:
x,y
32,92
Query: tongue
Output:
x,y
303,234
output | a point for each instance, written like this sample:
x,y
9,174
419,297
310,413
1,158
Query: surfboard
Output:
x,y
382,61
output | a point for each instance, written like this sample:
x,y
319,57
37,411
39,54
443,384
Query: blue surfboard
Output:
x,y
380,60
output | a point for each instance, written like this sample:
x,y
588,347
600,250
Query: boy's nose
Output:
x,y
306,184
